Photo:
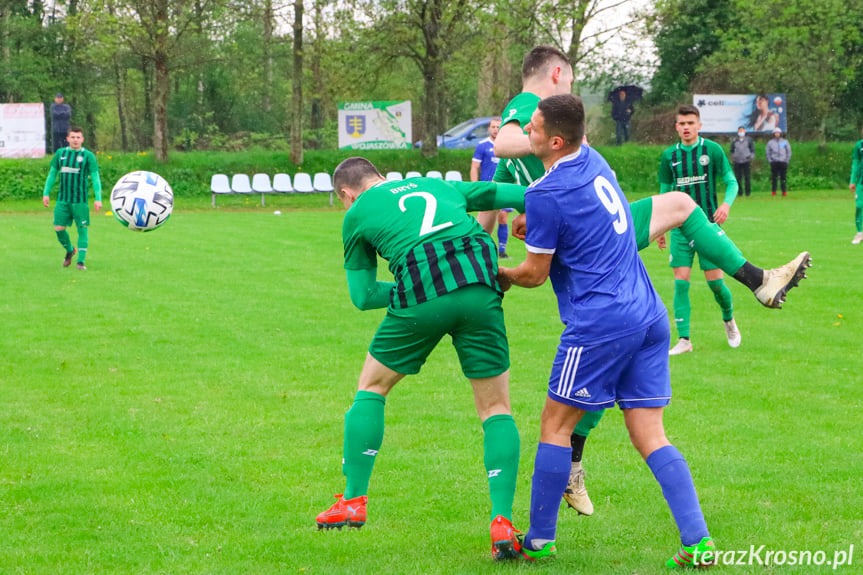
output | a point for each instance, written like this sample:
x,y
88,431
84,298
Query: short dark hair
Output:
x,y
740,128
563,116
352,173
688,110
537,59
76,129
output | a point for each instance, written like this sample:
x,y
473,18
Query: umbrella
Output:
x,y
633,93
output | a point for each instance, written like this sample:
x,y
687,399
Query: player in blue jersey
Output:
x,y
482,169
615,339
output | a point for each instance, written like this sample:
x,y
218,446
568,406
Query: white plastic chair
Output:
x,y
303,183
323,183
282,184
240,184
434,174
413,174
453,176
219,184
261,184
394,176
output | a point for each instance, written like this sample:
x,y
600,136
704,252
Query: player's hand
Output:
x,y
519,227
503,280
661,242
97,205
45,200
721,214
852,187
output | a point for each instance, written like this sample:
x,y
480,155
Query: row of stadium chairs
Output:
x,y
281,184
451,176
302,183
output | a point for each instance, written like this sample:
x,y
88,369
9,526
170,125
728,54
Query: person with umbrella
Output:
x,y
622,100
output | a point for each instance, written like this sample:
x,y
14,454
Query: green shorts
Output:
x,y
642,211
65,213
858,196
682,254
471,315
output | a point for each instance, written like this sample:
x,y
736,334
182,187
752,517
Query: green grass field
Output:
x,y
178,408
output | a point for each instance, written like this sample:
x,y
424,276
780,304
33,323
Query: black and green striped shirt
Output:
x,y
74,167
422,227
694,170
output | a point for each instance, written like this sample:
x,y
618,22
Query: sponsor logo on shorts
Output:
x,y
582,393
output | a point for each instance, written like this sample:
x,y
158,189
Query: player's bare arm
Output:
x,y
511,142
529,274
721,214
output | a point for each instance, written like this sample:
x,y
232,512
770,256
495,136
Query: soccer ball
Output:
x,y
142,201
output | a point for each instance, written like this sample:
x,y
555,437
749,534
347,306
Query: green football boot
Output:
x,y
702,554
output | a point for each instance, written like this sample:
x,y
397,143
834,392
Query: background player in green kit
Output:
x,y
74,164
857,180
445,271
693,166
546,71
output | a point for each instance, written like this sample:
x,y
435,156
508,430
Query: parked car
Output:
x,y
466,135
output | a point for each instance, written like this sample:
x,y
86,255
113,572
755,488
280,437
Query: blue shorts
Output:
x,y
632,371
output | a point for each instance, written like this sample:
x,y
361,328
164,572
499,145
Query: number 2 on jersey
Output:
x,y
609,198
427,226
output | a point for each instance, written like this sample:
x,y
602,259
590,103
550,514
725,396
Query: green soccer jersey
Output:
x,y
857,164
528,168
421,226
74,167
694,170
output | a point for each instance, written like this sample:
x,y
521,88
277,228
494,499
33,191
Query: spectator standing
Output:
x,y
778,154
854,186
621,112
482,168
742,152
61,116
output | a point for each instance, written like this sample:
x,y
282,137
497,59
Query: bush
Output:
x,y
189,173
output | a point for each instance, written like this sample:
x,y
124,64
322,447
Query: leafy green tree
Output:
x,y
685,33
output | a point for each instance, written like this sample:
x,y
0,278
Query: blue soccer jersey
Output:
x,y
484,154
577,212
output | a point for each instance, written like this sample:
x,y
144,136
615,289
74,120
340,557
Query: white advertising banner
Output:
x,y
724,113
22,131
375,126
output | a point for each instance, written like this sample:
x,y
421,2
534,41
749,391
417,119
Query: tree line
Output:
x,y
223,74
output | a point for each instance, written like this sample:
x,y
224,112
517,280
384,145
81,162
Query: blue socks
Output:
x,y
502,237
671,471
550,476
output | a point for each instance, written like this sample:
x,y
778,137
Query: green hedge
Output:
x,y
812,167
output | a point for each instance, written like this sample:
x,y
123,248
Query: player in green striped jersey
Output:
x,y
74,164
546,71
693,166
856,181
445,271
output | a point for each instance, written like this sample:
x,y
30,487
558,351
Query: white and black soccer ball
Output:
x,y
142,201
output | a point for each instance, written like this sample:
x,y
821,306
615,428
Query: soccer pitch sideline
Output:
x,y
178,408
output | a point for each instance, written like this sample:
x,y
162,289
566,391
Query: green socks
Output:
x,y
712,243
588,422
682,307
82,244
858,218
723,297
364,434
502,447
63,238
